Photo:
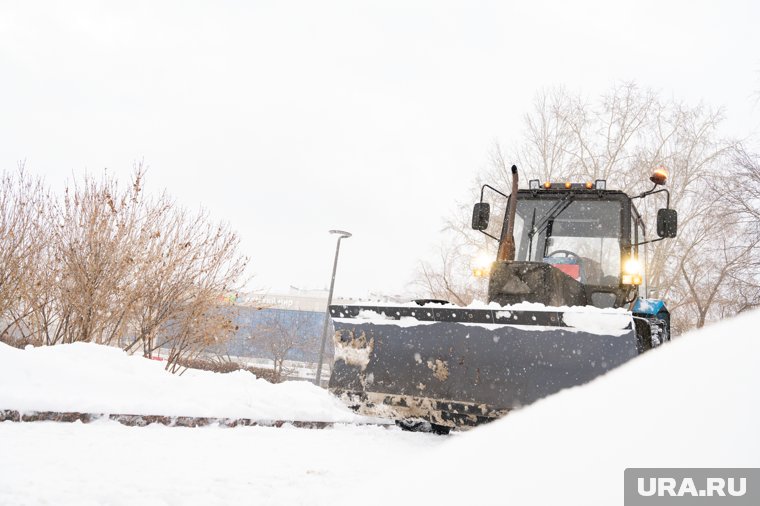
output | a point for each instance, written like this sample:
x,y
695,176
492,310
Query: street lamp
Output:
x,y
341,235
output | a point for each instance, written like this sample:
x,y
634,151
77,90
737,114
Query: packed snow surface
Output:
x,y
100,379
689,403
105,463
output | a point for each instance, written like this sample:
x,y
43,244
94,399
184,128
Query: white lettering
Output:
x,y
732,487
688,487
662,487
666,485
652,487
715,486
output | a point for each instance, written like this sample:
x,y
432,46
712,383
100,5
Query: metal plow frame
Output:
x,y
459,367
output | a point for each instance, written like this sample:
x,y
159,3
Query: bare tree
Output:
x,y
282,332
93,242
185,263
448,277
714,270
202,325
22,215
744,194
108,265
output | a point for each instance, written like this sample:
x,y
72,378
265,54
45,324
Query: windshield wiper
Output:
x,y
530,234
548,219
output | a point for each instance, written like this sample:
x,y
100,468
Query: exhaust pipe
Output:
x,y
507,245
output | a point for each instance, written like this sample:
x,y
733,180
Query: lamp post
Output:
x,y
341,235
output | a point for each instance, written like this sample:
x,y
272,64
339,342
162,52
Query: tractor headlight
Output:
x,y
632,272
632,266
481,265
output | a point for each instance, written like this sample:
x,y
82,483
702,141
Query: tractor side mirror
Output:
x,y
480,214
667,223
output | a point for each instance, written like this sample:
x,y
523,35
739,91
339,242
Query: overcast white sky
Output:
x,y
288,119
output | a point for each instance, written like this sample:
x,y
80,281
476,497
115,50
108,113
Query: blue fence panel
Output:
x,y
256,327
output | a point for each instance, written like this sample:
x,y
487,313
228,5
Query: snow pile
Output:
x,y
690,403
601,323
101,379
537,306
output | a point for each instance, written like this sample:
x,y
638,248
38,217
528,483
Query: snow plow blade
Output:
x,y
459,367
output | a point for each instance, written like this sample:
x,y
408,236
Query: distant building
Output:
x,y
288,323
264,333
277,322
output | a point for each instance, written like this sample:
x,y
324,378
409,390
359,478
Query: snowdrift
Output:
x,y
101,379
692,403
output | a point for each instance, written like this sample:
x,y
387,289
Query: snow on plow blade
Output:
x,y
455,367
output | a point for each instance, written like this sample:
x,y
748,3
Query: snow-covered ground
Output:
x,y
691,403
108,463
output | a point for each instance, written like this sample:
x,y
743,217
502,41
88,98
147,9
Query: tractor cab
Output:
x,y
574,244
584,234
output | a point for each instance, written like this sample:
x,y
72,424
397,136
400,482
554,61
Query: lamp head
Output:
x,y
341,233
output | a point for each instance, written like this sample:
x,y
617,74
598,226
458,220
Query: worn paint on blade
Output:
x,y
440,369
355,350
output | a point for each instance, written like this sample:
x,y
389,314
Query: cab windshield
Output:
x,y
579,236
